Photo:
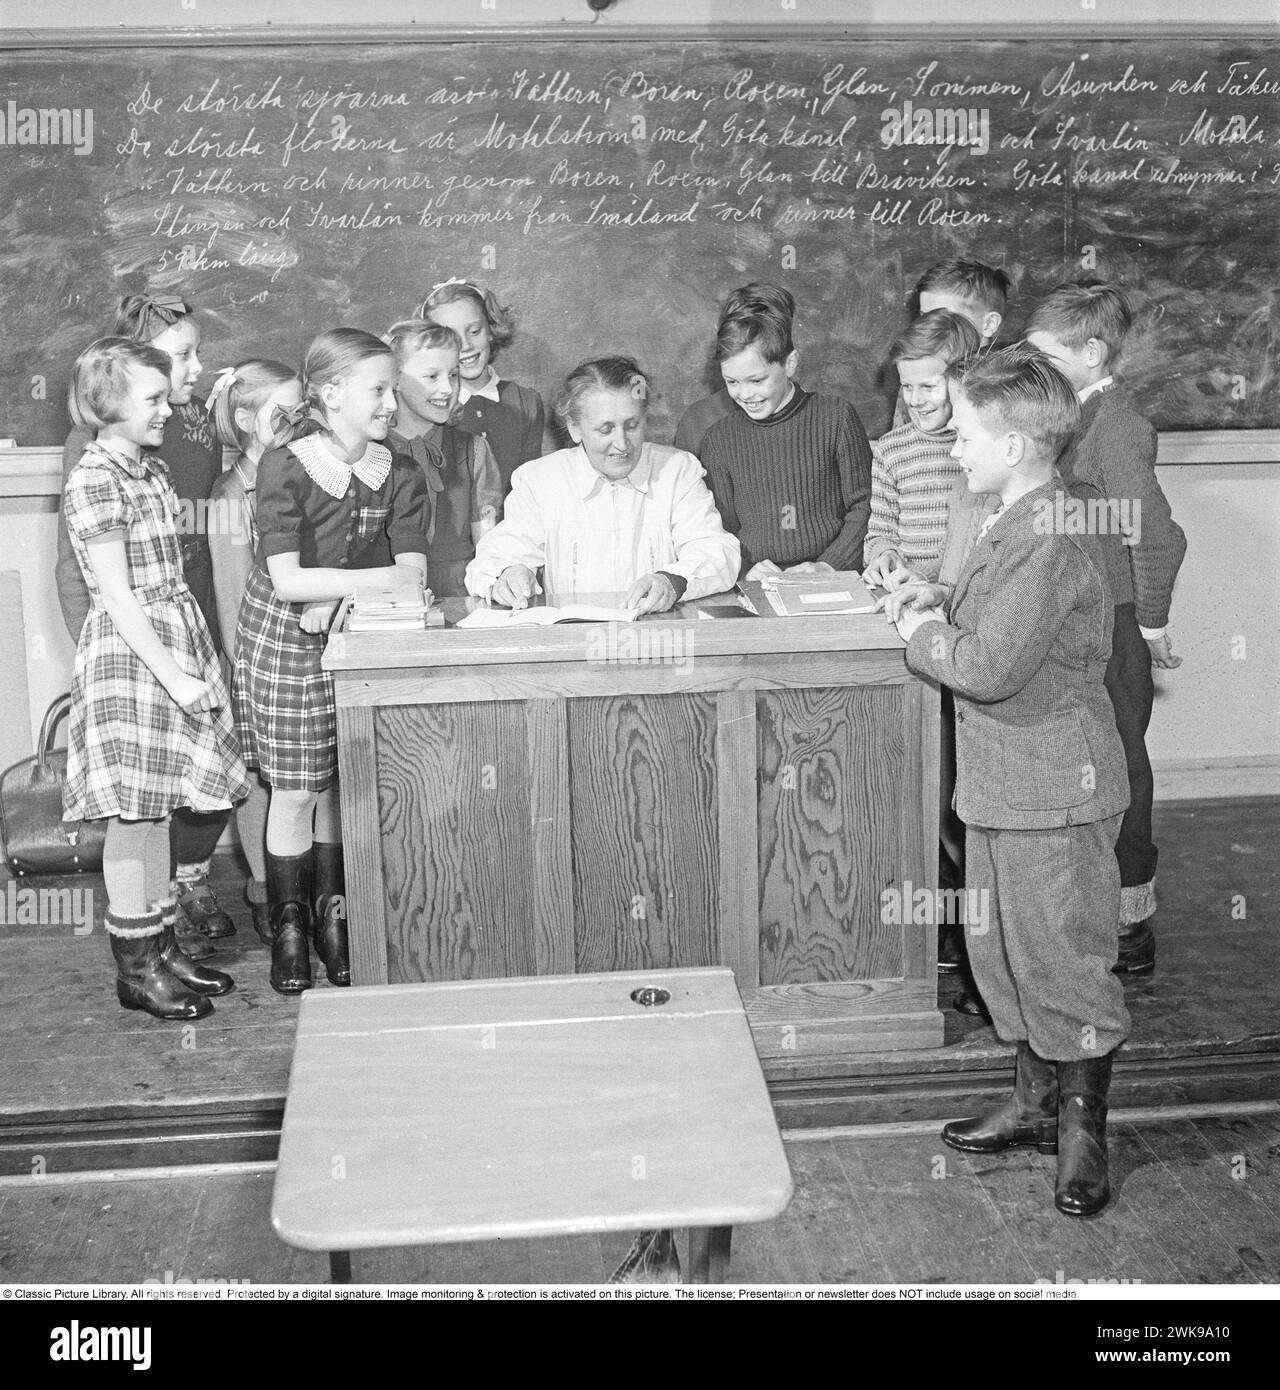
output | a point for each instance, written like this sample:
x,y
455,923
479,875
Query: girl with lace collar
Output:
x,y
333,502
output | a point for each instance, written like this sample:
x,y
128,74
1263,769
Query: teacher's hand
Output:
x,y
762,570
651,593
513,587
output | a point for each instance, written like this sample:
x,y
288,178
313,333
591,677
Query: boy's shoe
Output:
x,y
1137,950
202,909
967,1001
1083,1188
1028,1118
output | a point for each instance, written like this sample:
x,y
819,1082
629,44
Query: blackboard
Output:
x,y
615,191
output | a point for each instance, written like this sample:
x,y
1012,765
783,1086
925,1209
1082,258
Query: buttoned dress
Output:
x,y
132,750
333,516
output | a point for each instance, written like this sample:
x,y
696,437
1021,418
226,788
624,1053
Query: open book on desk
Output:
x,y
802,595
545,617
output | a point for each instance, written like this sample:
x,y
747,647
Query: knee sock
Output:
x,y
156,863
124,866
289,824
251,822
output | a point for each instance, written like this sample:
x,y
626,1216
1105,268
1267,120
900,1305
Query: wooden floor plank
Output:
x,y
912,1189
829,1212
867,1210
1153,1186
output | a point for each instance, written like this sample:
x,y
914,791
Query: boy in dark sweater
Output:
x,y
790,471
704,413
1080,328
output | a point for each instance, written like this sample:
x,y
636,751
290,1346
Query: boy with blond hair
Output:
x,y
1041,781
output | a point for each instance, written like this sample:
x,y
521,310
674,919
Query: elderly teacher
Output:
x,y
613,514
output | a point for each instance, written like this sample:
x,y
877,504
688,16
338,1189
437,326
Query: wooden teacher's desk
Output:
x,y
676,792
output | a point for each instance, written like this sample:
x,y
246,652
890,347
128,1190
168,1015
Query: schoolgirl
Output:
x,y
460,469
255,406
150,726
193,460
509,416
331,503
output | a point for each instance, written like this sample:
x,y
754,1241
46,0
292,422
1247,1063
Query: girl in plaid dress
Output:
x,y
256,405
194,462
330,503
150,726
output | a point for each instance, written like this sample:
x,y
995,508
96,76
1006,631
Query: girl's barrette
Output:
x,y
225,377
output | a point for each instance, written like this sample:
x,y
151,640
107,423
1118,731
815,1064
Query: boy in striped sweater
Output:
x,y
912,477
977,292
912,471
1080,329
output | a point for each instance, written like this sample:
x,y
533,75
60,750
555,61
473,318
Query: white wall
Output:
x,y
1220,708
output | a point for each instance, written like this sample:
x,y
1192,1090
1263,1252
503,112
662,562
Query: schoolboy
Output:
x,y
704,413
912,470
977,292
1081,328
912,477
790,470
1041,782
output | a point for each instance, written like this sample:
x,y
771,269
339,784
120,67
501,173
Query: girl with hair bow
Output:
x,y
257,405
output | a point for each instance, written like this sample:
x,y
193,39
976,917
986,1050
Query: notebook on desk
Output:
x,y
545,617
802,595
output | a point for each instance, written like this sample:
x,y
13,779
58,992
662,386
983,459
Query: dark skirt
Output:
x,y
283,701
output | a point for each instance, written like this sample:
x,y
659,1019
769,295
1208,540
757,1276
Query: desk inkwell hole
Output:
x,y
650,995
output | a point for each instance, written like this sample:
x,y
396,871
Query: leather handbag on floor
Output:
x,y
36,839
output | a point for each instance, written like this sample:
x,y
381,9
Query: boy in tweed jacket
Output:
x,y
1041,782
1080,329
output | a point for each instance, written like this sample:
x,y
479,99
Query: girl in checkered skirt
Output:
x,y
332,504
150,722
256,406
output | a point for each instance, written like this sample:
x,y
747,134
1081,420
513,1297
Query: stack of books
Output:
x,y
400,607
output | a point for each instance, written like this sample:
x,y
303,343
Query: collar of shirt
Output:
x,y
1095,388
991,521
332,475
489,390
587,482
136,468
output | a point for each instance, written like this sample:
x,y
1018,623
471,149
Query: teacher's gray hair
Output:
x,y
603,374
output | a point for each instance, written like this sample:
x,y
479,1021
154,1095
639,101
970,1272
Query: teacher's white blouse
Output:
x,y
597,536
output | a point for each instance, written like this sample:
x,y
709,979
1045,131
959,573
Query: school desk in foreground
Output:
x,y
674,792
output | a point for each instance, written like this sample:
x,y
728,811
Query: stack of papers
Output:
x,y
389,607
801,595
